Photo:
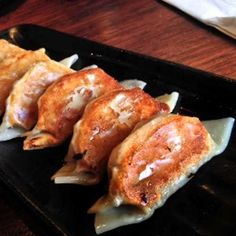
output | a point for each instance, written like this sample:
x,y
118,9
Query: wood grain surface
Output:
x,y
145,26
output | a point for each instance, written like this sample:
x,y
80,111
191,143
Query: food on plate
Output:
x,y
69,61
133,83
61,106
15,69
21,106
106,121
153,162
8,52
150,153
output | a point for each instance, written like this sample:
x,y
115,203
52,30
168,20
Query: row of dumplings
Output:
x,y
116,128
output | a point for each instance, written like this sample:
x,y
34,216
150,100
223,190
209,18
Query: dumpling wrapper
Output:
x,y
69,61
63,103
106,121
17,67
170,99
128,84
21,106
153,163
133,83
8,52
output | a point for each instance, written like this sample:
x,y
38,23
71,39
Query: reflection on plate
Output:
x,y
205,206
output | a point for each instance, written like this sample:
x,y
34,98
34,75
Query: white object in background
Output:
x,y
220,14
69,61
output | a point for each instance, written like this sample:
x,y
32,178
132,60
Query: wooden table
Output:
x,y
144,26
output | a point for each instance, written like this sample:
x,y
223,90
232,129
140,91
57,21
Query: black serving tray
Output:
x,y
204,206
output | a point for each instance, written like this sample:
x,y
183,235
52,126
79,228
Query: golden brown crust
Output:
x,y
155,156
63,103
13,71
22,109
106,122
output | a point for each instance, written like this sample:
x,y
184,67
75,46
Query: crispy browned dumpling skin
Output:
x,y
22,106
105,123
154,157
13,71
63,103
153,162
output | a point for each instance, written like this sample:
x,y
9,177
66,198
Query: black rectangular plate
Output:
x,y
205,206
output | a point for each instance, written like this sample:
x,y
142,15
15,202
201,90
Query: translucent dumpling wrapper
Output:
x,y
170,99
63,103
69,61
153,162
133,83
15,68
106,121
21,106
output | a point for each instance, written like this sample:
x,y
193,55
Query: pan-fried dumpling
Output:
x,y
152,163
9,73
21,107
106,121
63,103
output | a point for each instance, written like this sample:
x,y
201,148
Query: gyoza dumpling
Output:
x,y
152,163
21,106
9,73
106,121
8,52
63,103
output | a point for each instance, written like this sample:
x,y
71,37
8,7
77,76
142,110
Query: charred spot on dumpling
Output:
x,y
64,162
79,156
191,175
143,199
168,148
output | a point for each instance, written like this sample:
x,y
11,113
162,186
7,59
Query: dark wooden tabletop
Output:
x,y
145,26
